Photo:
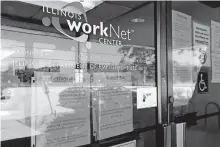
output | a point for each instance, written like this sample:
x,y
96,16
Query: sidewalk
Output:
x,y
202,138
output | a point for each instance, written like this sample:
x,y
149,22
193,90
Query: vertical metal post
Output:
x,y
164,61
178,135
164,72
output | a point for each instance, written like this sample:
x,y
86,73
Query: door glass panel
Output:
x,y
122,68
195,40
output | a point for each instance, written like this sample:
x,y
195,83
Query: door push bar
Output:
x,y
189,118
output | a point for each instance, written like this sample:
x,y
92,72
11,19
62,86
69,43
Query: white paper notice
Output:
x,y
215,29
201,44
62,110
126,144
215,68
115,107
181,30
182,67
182,48
146,97
182,55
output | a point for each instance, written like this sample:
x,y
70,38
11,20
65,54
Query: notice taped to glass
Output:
x,y
181,30
62,112
215,30
113,103
182,48
215,68
126,144
201,44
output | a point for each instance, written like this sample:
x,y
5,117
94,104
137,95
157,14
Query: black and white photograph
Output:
x,y
110,73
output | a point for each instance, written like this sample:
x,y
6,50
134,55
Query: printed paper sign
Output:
x,y
62,110
182,57
146,97
215,68
201,44
181,30
127,144
114,104
182,67
215,30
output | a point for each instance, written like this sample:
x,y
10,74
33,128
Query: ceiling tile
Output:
x,y
106,11
129,4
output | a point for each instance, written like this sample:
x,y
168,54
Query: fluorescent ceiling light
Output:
x,y
137,20
46,50
88,4
44,47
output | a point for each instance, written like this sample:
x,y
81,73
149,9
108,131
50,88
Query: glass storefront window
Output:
x,y
77,73
26,53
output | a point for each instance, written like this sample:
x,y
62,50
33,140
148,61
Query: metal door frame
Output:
x,y
163,42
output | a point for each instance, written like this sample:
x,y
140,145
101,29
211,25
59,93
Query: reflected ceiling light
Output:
x,y
4,113
137,20
46,50
88,4
5,53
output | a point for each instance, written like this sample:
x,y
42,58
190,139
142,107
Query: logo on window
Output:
x,y
77,22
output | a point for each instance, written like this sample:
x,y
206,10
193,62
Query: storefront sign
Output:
x,y
78,23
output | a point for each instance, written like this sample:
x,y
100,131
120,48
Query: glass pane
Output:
x,y
27,56
74,73
122,68
196,27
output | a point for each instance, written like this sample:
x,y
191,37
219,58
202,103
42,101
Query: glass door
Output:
x,y
195,61
121,62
